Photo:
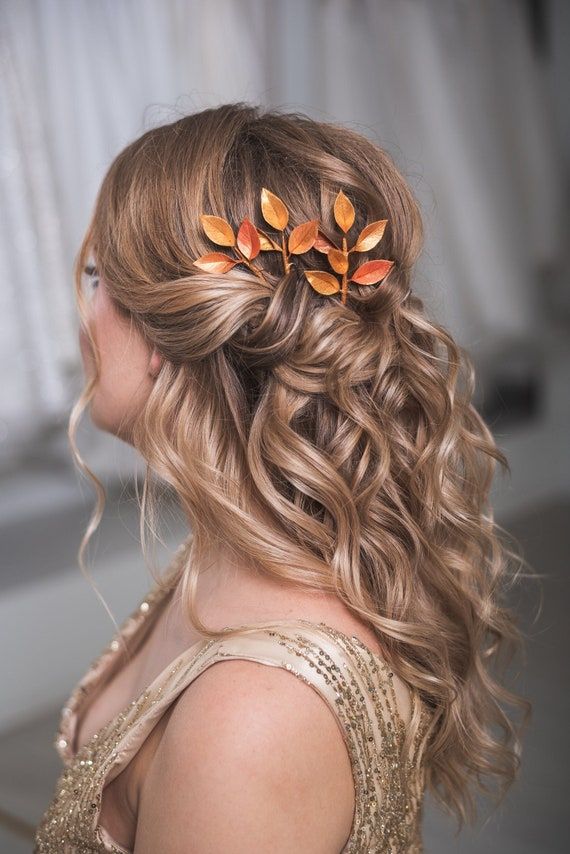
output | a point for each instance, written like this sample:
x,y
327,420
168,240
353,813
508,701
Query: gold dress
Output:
x,y
354,682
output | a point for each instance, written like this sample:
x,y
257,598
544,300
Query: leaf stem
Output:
x,y
284,253
245,260
344,275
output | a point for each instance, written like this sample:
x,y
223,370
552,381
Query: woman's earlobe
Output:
x,y
155,363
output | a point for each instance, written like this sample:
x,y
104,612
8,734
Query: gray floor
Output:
x,y
531,821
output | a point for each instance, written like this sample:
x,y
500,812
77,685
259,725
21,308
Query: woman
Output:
x,y
247,335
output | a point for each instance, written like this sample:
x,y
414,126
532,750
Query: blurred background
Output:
x,y
470,97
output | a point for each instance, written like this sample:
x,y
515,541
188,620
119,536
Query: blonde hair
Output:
x,y
332,447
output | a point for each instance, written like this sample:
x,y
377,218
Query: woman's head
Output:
x,y
331,446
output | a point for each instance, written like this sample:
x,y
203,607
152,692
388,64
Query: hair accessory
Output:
x,y
250,241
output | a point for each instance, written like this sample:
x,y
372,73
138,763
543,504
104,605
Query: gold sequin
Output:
x,y
355,682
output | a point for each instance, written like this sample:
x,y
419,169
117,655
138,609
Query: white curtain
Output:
x,y
451,89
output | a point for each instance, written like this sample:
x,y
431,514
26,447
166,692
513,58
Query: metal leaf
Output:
x,y
371,272
273,209
248,239
323,283
215,262
218,230
338,260
343,211
303,237
370,236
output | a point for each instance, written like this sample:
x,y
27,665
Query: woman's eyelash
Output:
x,y
91,271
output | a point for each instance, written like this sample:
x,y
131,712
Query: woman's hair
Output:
x,y
334,447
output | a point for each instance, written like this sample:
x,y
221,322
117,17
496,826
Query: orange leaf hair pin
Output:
x,y
250,241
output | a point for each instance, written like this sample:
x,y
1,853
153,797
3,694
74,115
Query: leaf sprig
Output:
x,y
250,241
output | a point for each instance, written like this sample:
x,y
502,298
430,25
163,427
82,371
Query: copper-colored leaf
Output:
x,y
371,272
218,230
216,262
324,283
273,209
343,211
303,237
370,236
248,239
338,260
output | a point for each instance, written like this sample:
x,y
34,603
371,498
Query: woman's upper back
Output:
x,y
355,683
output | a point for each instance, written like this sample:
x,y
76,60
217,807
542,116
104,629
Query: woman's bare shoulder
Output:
x,y
251,759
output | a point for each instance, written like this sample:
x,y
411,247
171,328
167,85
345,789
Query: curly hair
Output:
x,y
334,447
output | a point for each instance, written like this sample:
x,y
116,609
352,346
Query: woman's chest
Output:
x,y
135,665
98,725
117,814
92,808
112,693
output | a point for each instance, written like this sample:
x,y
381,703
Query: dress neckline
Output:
x,y
136,627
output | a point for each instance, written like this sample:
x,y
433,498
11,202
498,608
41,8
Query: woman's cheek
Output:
x,y
85,347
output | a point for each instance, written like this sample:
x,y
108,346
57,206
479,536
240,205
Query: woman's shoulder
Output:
x,y
243,731
248,751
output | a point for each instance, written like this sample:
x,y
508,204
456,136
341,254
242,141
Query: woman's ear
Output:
x,y
155,363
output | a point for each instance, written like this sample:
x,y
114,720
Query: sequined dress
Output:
x,y
354,682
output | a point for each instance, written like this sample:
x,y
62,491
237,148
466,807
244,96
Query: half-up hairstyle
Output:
x,y
334,447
